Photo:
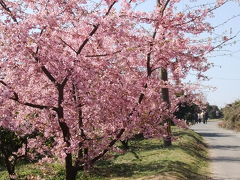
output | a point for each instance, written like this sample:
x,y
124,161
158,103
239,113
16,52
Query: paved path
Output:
x,y
224,148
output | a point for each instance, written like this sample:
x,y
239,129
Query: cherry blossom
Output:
x,y
86,74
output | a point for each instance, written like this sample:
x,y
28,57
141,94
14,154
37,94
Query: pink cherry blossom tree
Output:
x,y
87,72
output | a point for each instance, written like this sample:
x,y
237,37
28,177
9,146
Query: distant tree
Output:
x,y
213,112
187,111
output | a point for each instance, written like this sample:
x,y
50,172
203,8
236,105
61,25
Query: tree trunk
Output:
x,y
10,168
168,140
71,172
125,144
164,76
165,97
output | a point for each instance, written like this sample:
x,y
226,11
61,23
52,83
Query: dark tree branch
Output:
x,y
3,83
82,151
95,28
103,55
45,70
65,80
16,98
224,42
154,69
7,9
164,6
109,146
37,106
48,74
87,39
110,7
68,45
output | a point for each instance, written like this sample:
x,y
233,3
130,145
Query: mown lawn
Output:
x,y
146,159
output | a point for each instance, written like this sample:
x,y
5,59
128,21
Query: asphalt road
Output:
x,y
224,149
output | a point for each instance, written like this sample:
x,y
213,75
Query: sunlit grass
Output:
x,y
146,159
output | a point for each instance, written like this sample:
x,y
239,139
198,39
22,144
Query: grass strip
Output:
x,y
145,159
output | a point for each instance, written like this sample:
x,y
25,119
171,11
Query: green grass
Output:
x,y
146,159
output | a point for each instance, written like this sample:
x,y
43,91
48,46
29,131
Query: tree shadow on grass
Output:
x,y
140,168
2,167
178,169
190,148
188,133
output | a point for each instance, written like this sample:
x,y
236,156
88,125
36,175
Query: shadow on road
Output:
x,y
214,134
226,159
234,148
224,147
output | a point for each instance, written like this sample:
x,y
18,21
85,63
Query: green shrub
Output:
x,y
232,116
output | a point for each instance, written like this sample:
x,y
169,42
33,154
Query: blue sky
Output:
x,y
225,75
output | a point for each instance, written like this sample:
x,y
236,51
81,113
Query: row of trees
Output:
x,y
190,112
214,112
77,76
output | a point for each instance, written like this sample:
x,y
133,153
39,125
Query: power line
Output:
x,y
220,78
